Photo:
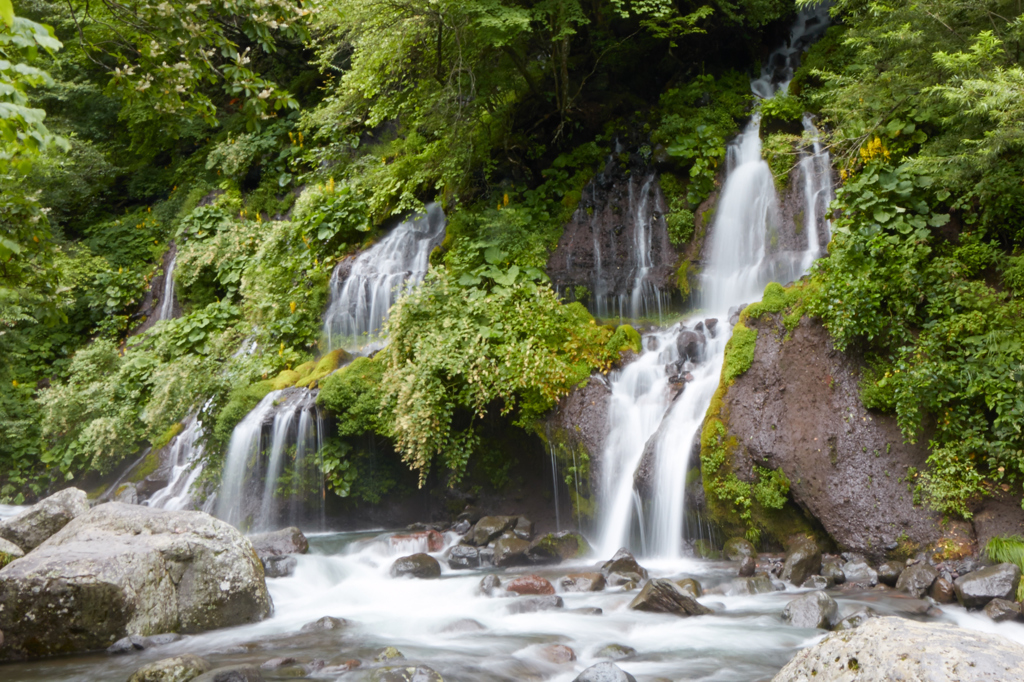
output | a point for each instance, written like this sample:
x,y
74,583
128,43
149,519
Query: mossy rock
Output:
x,y
161,441
305,369
625,338
326,365
286,379
145,468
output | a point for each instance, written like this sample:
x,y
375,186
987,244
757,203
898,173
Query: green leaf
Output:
x,y
882,215
493,255
7,12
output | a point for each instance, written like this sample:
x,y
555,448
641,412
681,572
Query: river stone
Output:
x,y
558,653
554,548
834,572
615,651
420,673
534,604
583,582
416,565
275,663
32,527
817,582
889,573
523,528
325,623
747,566
430,538
9,552
285,541
510,551
855,619
736,549
690,345
915,580
974,590
857,570
127,569
690,586
802,560
886,649
463,556
604,672
623,562
490,527
489,584
759,583
664,596
133,643
812,610
177,669
942,591
587,610
465,625
232,673
388,653
1001,610
530,584
279,566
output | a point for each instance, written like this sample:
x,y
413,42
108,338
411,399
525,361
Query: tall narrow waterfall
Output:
x,y
167,300
659,401
185,454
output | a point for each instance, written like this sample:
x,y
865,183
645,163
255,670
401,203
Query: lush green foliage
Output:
x,y
1008,550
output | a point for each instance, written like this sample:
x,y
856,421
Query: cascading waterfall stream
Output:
x,y
167,302
185,454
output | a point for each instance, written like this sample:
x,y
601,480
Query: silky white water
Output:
x,y
167,300
242,456
185,453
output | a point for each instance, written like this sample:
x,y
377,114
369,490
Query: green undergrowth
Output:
x,y
625,338
1008,550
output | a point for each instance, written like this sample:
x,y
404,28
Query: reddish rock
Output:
x,y
559,653
530,584
433,539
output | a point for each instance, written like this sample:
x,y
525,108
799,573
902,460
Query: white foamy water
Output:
x,y
185,454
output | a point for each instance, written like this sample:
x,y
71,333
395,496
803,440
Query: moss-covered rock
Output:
x,y
625,338
240,403
327,364
286,379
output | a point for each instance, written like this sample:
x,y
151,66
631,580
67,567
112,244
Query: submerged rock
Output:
x,y
275,663
615,651
35,525
759,583
490,527
419,673
976,589
417,566
134,643
583,582
604,672
325,623
285,541
177,669
664,596
534,604
915,580
802,561
463,556
817,582
279,566
530,584
884,649
623,563
232,673
465,625
489,583
554,548
812,610
126,569
558,653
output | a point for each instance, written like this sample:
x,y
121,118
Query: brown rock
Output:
x,y
942,591
664,596
530,584
583,582
432,539
559,653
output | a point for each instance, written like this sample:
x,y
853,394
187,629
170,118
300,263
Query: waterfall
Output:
x,y
659,401
167,302
185,454
360,301
241,461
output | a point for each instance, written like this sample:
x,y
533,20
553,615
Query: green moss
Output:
x,y
97,491
625,338
779,151
286,379
353,395
6,558
161,441
683,278
305,369
779,299
145,468
573,462
739,353
241,401
326,365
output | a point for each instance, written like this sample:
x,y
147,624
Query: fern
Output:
x,y
1008,550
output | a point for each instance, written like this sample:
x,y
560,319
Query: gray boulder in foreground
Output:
x,y
32,527
123,570
884,649
604,672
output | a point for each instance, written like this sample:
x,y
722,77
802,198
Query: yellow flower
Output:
x,y
506,199
15,383
292,306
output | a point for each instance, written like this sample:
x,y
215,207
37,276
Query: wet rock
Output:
x,y
615,652
583,582
530,584
420,673
133,643
523,528
417,566
463,556
834,572
1001,610
855,619
461,527
470,514
558,653
747,566
690,345
623,562
664,596
431,539
889,572
857,570
884,649
942,591
534,604
325,623
759,583
341,668
486,556
127,569
279,566
388,653
285,541
9,552
275,663
690,586
803,559
711,325
915,580
314,666
976,589
737,549
127,493
465,625
510,551
489,583
816,582
812,610
177,669
232,673
555,548
734,313
583,611
489,528
604,672
35,525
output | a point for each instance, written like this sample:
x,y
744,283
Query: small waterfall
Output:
x,y
167,302
243,460
816,176
645,299
185,453
361,300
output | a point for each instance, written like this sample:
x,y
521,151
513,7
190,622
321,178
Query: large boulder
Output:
x,y
885,649
802,561
857,570
664,596
463,556
417,566
490,527
812,610
916,579
285,541
604,672
554,548
177,669
976,589
123,570
1001,610
736,549
510,551
530,584
32,527
623,564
